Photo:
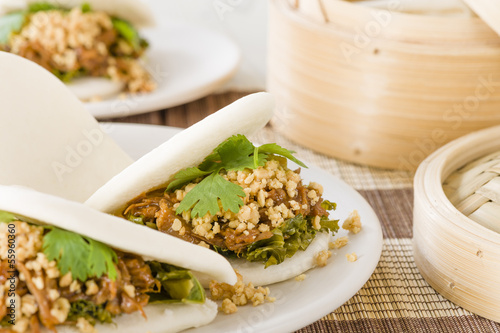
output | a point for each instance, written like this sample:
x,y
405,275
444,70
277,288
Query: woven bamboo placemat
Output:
x,y
396,298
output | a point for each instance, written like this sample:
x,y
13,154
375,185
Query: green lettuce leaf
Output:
x,y
127,32
42,6
9,24
177,285
86,7
272,251
328,205
6,322
293,235
90,311
328,225
7,217
140,220
68,76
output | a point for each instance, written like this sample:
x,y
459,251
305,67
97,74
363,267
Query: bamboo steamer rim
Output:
x,y
322,88
357,8
488,10
457,256
339,16
433,171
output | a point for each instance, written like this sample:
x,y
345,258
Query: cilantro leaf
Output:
x,y
69,250
82,256
236,154
185,176
101,259
272,148
6,217
205,196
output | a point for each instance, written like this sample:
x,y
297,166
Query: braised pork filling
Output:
x,y
78,42
76,289
277,215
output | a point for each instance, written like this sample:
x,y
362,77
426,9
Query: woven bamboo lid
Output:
x,y
456,233
379,87
475,190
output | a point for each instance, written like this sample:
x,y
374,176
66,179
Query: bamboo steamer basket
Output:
x,y
379,87
456,222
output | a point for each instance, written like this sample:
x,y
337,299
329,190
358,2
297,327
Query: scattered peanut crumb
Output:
x,y
238,295
300,277
84,326
353,222
228,307
338,243
321,258
203,244
352,257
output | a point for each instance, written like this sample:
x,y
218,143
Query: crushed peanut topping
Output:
x,y
273,194
351,257
228,307
43,295
81,42
238,295
84,326
300,277
338,243
353,222
321,258
28,241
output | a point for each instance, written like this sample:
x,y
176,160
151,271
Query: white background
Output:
x,y
243,21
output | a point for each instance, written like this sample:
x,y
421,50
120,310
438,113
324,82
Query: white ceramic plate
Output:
x,y
298,304
187,62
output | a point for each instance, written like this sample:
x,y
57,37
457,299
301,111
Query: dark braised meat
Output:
x,y
158,207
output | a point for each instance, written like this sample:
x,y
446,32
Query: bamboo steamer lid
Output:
x,y
456,222
488,10
379,87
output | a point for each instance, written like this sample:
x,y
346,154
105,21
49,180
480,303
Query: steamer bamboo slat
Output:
x,y
456,222
475,190
379,80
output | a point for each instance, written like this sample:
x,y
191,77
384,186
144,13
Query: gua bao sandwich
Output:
x,y
210,185
76,39
67,268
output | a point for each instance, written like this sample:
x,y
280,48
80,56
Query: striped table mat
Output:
x,y
396,298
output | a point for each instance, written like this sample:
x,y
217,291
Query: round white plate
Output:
x,y
186,61
298,304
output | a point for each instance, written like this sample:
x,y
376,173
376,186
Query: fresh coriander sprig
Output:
x,y
81,255
235,154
